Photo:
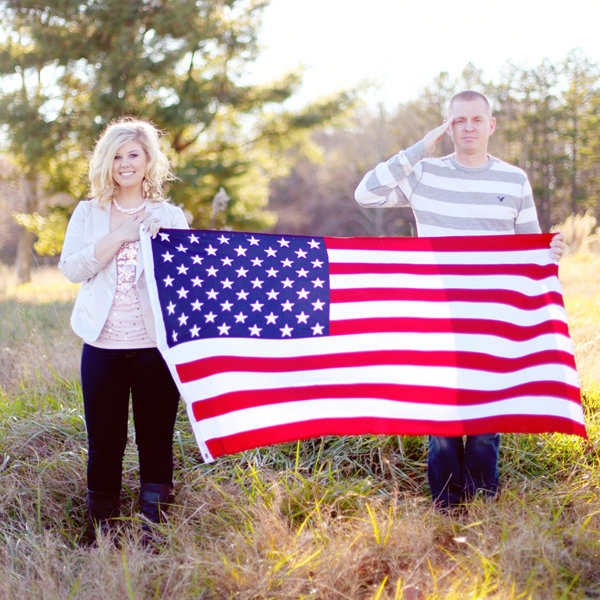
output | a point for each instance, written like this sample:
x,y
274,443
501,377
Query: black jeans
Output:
x,y
108,378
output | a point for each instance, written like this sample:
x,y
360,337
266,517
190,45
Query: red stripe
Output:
x,y
509,297
213,365
233,401
536,272
486,243
307,429
477,326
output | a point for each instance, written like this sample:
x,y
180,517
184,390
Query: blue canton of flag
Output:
x,y
222,284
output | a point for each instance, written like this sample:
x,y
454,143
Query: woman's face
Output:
x,y
129,165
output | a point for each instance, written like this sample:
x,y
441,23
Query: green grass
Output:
x,y
323,518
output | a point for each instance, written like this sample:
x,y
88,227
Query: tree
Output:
x,y
180,64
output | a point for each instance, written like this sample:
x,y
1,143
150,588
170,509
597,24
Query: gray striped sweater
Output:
x,y
448,198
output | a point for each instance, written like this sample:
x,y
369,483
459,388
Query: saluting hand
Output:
x,y
435,135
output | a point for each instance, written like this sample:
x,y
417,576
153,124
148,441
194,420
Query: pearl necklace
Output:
x,y
128,211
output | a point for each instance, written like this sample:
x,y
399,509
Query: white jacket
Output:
x,y
87,225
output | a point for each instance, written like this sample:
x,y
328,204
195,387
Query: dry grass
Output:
x,y
328,518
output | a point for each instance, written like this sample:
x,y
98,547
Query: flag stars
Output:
x,y
284,243
227,283
197,259
253,241
272,295
302,272
271,251
257,306
272,272
302,294
257,262
242,295
183,318
226,306
223,240
317,329
197,305
212,294
211,271
271,318
195,331
318,283
181,248
182,269
164,237
301,253
224,329
227,261
241,251
318,305
317,264
240,317
241,272
257,283
287,306
170,308
182,292
286,262
210,317
196,281
168,281
255,330
287,282
302,317
286,331
194,239
313,244
167,257
210,250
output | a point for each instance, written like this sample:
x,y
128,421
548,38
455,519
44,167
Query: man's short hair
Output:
x,y
469,95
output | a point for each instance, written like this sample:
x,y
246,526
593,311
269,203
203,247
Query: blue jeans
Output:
x,y
108,378
456,470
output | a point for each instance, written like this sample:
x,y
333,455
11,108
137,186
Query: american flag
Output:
x,y
275,338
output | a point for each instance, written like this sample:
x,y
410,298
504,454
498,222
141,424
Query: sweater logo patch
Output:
x,y
500,198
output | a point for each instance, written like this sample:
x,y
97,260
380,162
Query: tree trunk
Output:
x,y
24,260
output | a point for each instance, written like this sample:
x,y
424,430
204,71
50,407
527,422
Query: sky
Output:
x,y
400,46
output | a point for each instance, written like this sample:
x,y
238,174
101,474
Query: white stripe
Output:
x,y
426,257
451,183
446,310
365,342
433,282
447,377
271,415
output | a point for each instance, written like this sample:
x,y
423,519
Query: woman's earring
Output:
x,y
145,189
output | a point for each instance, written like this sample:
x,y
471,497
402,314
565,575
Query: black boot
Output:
x,y
154,501
103,508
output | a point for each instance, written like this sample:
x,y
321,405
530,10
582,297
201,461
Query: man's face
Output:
x,y
472,126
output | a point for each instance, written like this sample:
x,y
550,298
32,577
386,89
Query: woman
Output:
x,y
112,315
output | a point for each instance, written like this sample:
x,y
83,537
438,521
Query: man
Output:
x,y
466,193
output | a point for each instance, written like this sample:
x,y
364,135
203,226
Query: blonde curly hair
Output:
x,y
117,133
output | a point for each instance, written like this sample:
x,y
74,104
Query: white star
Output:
x,y
255,330
227,283
287,305
313,244
286,262
271,318
170,308
272,295
181,248
287,282
210,317
210,250
257,306
271,251
301,253
227,261
168,281
318,283
167,256
302,272
212,294
241,272
286,330
240,317
317,264
194,239
182,269
317,329
303,294
257,283
302,318
224,329
183,319
318,305
174,336
241,251
257,262
164,237
242,295
211,271
253,241
271,272
197,305
197,259
283,243
194,331
197,281
226,305
182,292
223,240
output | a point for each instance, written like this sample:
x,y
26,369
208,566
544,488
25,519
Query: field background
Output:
x,y
326,518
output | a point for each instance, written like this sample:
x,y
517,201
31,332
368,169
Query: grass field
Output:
x,y
327,518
